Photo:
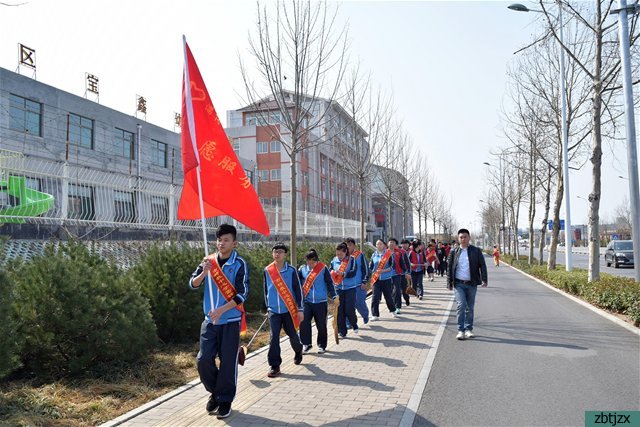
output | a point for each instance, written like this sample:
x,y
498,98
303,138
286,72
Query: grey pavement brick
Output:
x,y
366,380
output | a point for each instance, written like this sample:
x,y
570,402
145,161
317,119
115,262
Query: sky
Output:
x,y
445,63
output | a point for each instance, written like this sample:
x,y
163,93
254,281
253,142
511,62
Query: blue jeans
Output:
x,y
465,300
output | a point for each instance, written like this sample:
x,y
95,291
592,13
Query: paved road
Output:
x,y
538,359
582,261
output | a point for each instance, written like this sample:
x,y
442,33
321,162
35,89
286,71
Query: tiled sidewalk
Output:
x,y
373,378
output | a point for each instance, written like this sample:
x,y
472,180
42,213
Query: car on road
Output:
x,y
619,252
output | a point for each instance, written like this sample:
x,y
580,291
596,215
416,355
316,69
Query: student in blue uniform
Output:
x,y
383,284
346,292
220,330
359,281
280,316
316,292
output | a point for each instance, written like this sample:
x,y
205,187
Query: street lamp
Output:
x,y
630,125
565,133
502,229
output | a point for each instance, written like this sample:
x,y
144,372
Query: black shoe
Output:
x,y
298,358
212,405
224,411
274,372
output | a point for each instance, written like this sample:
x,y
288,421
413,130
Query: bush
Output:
x,y
76,312
9,339
163,274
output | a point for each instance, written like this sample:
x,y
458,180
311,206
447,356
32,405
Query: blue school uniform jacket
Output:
x,y
322,287
361,273
375,260
272,298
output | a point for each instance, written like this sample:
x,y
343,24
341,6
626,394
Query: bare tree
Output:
x,y
622,214
600,65
300,55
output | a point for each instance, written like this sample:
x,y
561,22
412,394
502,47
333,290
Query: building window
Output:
x,y
159,153
263,175
80,131
305,178
275,146
263,147
124,206
236,147
276,201
249,174
124,143
159,210
265,201
323,188
25,115
275,174
323,165
249,119
81,202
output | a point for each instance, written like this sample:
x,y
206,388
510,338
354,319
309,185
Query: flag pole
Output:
x,y
192,134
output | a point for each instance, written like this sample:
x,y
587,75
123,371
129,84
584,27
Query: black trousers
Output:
x,y
347,310
314,312
399,286
382,287
222,341
278,322
416,280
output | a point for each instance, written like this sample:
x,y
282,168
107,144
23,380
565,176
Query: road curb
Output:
x,y
416,395
585,304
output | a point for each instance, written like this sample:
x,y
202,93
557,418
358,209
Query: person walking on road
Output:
x,y
381,279
317,288
417,263
360,279
284,300
496,255
342,267
226,286
466,270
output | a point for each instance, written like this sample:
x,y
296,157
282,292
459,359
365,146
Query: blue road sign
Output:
x,y
550,224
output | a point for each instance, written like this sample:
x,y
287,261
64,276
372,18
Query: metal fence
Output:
x,y
39,191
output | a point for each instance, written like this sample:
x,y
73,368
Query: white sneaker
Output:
x,y
321,350
395,314
398,311
469,334
374,318
306,348
460,335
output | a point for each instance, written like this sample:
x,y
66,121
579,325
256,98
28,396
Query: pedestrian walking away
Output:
x,y
342,267
467,270
317,288
496,255
283,298
382,267
361,278
226,286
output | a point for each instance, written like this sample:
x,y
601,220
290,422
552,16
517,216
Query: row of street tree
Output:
x,y
531,172
299,53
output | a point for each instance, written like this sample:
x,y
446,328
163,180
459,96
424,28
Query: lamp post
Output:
x,y
501,235
630,125
565,134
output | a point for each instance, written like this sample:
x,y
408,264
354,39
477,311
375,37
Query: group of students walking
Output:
x,y
297,297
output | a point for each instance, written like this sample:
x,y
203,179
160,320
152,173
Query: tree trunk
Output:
x,y
551,263
596,157
363,214
547,206
419,222
294,208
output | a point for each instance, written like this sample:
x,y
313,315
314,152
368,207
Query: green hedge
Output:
x,y
70,310
613,293
10,342
76,312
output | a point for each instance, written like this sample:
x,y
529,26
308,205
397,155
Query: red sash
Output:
x,y
431,256
311,277
356,254
338,278
284,293
381,264
227,290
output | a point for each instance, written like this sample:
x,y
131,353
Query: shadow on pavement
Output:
x,y
393,343
358,356
324,376
380,328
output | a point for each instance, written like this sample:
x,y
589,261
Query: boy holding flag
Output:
x,y
226,277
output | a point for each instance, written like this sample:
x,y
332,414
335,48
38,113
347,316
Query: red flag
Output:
x,y
226,189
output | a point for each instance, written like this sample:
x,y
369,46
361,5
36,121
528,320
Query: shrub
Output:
x,y
163,274
9,339
76,312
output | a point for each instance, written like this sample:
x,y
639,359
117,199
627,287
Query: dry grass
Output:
x,y
99,398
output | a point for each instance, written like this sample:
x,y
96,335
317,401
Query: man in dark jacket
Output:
x,y
466,270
